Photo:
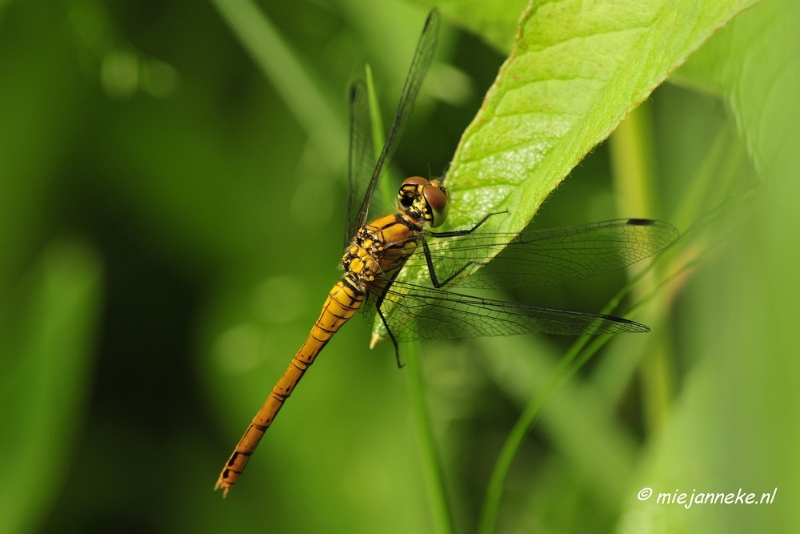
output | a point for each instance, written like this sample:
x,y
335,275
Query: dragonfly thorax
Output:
x,y
379,249
424,201
359,261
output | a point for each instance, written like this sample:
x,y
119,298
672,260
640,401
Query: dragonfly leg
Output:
x,y
456,233
432,271
400,365
434,279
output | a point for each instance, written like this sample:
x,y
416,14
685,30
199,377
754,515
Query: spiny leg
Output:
x,y
432,271
456,233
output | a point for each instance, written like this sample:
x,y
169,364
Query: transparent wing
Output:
x,y
361,158
423,56
543,257
417,312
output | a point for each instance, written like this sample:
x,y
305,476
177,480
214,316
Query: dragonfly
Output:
x,y
377,252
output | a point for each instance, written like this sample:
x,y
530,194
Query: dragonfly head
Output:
x,y
424,200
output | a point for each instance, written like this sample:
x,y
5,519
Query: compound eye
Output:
x,y
415,180
437,198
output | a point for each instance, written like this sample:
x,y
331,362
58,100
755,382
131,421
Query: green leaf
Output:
x,y
575,73
46,328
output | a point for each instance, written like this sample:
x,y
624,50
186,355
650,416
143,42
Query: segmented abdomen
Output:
x,y
342,303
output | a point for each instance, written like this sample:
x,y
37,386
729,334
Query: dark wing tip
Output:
x,y
668,232
432,16
641,222
355,87
627,325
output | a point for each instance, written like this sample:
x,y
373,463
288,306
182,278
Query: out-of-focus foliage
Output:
x,y
49,321
735,429
495,22
170,221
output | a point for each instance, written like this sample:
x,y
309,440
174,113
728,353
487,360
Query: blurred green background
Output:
x,y
171,215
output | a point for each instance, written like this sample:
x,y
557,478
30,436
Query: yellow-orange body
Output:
x,y
379,248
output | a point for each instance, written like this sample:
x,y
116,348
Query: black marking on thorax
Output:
x,y
408,221
372,250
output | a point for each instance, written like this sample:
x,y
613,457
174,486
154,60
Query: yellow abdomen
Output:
x,y
342,303
378,251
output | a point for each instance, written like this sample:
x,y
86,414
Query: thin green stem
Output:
x,y
378,133
431,466
494,491
378,139
426,440
633,164
633,167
